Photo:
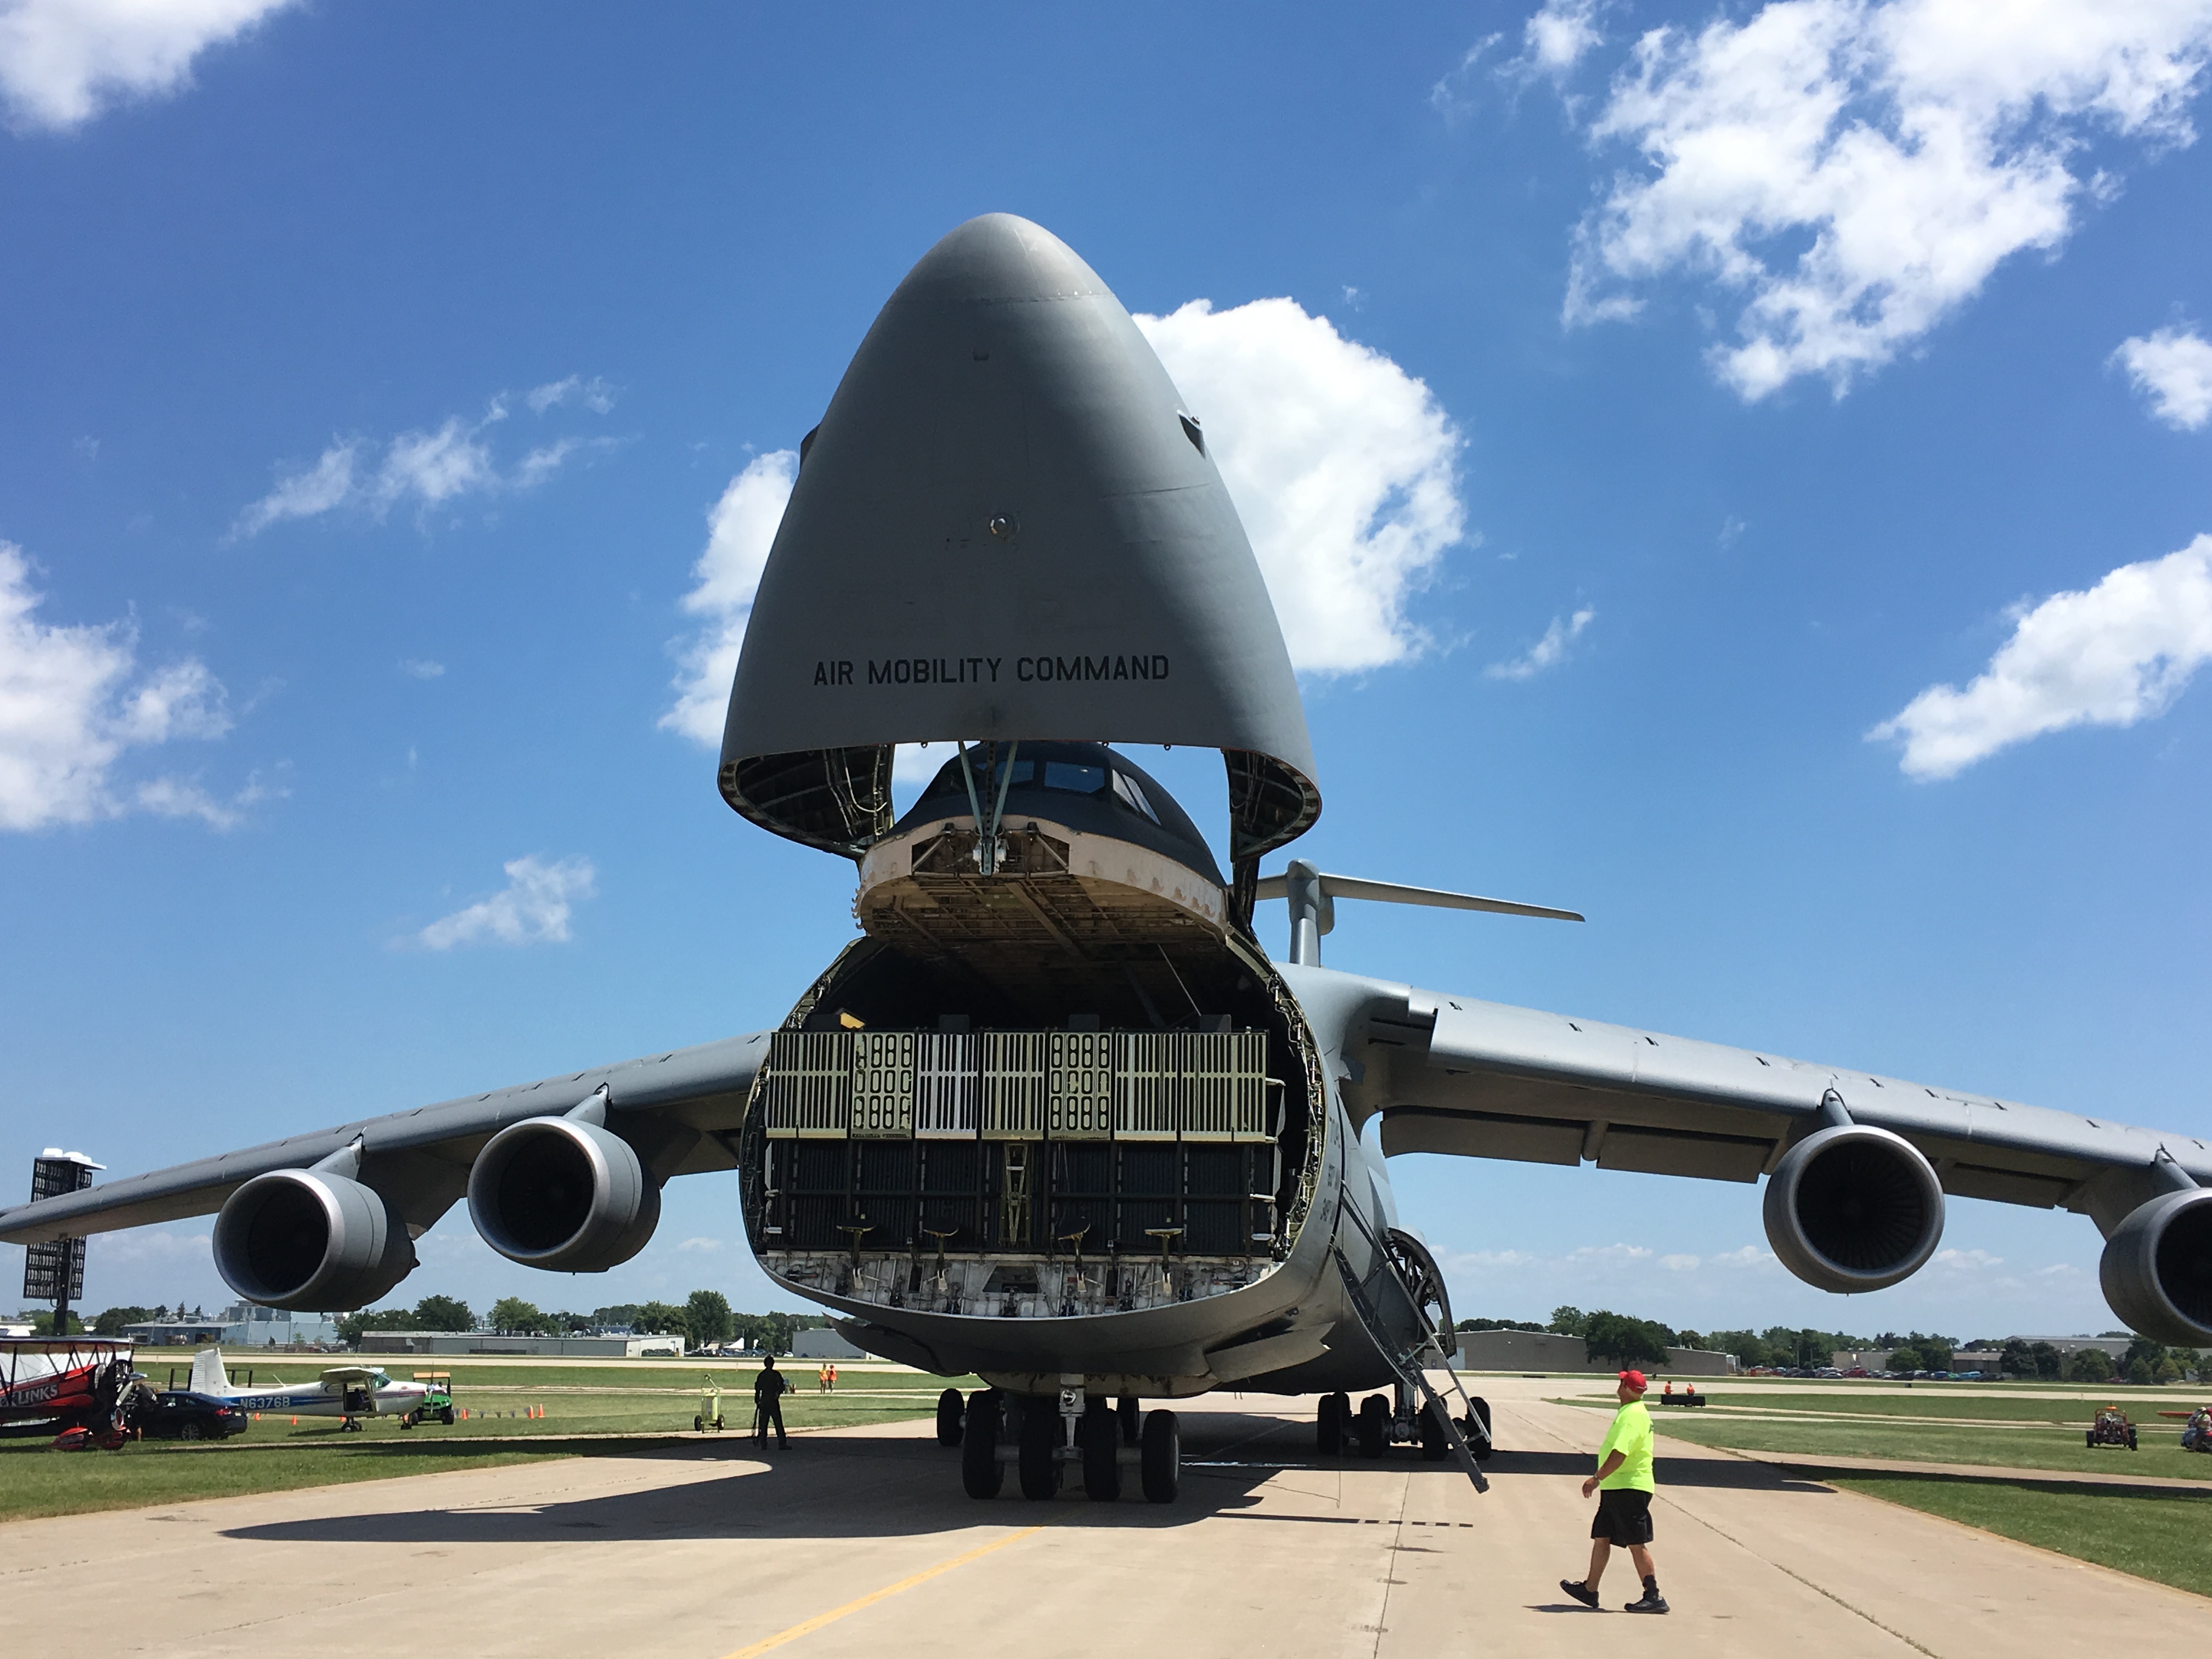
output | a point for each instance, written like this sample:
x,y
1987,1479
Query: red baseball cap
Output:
x,y
1635,1380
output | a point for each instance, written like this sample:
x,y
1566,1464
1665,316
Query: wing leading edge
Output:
x,y
1450,1073
674,1108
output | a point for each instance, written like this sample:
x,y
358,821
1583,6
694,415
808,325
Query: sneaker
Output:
x,y
1649,1602
1582,1593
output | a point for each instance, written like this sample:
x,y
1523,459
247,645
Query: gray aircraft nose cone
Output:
x,y
1008,526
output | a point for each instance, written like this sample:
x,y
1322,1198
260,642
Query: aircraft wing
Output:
x,y
681,1109
1451,1073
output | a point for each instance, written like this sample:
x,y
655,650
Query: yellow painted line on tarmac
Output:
x,y
815,1623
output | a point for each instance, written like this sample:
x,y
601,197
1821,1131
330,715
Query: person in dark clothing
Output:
x,y
768,1390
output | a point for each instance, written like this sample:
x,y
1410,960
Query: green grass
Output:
x,y
278,1454
1996,1447
2153,1535
1995,1408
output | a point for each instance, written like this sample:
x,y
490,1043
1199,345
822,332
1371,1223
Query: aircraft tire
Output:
x,y
982,1475
1100,1435
1329,1424
1039,1440
1160,1460
1373,1425
1477,1429
950,1411
1436,1443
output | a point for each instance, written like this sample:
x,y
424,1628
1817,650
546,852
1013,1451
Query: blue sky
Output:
x,y
1650,402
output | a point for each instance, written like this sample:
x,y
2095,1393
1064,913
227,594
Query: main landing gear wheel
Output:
x,y
1475,1425
1436,1442
1373,1427
1039,1440
1160,1457
950,1411
1100,1435
1330,1422
1133,1420
982,1475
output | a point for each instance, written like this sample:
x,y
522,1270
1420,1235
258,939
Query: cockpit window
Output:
x,y
1075,780
1132,791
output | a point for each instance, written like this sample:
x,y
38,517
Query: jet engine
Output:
x,y
2157,1268
563,1194
1852,1208
311,1239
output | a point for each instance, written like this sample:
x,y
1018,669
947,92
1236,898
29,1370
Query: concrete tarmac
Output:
x,y
860,1540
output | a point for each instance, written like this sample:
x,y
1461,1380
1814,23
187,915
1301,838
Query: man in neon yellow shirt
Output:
x,y
1624,1486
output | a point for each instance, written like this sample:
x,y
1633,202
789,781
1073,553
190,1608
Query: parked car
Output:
x,y
180,1414
1859,1370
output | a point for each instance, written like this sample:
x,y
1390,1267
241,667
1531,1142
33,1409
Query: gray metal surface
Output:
x,y
1454,1074
1006,526
675,1103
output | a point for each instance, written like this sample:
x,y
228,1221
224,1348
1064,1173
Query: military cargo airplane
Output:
x,y
1055,1116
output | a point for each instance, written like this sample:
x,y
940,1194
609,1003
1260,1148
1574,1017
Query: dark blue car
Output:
x,y
180,1414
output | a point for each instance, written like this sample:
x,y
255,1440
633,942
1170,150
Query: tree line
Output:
x,y
1626,1340
704,1318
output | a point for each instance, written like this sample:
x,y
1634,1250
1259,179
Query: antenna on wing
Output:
x,y
1312,895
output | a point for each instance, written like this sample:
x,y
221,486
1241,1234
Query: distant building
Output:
x,y
246,1326
824,1343
175,1332
572,1347
2115,1346
1546,1351
241,1325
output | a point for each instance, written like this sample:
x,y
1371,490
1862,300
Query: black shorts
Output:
x,y
1623,1516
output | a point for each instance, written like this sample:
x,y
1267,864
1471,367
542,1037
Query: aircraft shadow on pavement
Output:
x,y
846,1485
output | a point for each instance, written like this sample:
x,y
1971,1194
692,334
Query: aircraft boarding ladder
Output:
x,y
1385,1289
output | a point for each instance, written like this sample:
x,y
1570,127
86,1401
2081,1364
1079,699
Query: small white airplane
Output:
x,y
348,1391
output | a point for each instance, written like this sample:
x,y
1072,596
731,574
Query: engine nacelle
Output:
x,y
2157,1268
1854,1208
561,1193
311,1240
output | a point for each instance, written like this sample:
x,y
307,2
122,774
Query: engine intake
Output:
x,y
1853,1207
2157,1268
562,1194
311,1240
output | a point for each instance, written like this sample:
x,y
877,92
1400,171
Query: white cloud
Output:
x,y
2117,653
63,61
700,1246
1679,1264
532,909
2173,368
1547,652
1857,171
417,669
740,528
1341,466
73,700
1559,36
328,483
425,469
594,394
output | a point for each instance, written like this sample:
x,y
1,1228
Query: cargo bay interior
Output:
x,y
1049,1080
